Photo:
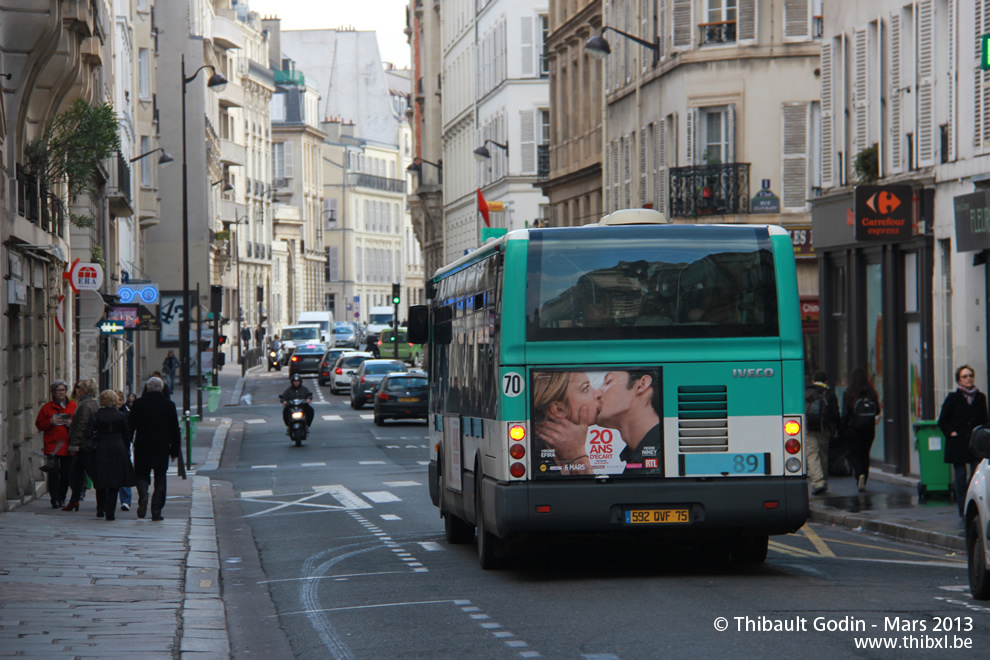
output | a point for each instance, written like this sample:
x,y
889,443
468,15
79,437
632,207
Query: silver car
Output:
x,y
344,336
344,367
977,514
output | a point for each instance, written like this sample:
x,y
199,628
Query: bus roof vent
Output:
x,y
634,217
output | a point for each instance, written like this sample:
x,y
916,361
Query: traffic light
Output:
x,y
223,339
395,293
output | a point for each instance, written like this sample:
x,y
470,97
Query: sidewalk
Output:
x,y
77,586
891,506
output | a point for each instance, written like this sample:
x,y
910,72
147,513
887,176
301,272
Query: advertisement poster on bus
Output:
x,y
605,422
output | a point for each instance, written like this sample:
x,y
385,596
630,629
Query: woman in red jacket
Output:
x,y
53,421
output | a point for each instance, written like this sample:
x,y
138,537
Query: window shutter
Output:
x,y
627,48
607,178
527,141
896,137
627,171
615,175
683,23
860,105
953,12
662,28
646,55
795,156
689,121
746,23
926,83
287,154
644,195
730,134
797,20
607,64
660,166
828,122
526,43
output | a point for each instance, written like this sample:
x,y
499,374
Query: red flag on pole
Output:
x,y
483,207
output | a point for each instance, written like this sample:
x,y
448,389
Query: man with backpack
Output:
x,y
821,418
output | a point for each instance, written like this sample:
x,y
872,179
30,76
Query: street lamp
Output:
x,y
599,49
417,167
232,224
164,160
481,154
216,82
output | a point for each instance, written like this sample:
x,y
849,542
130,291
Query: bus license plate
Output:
x,y
408,399
657,516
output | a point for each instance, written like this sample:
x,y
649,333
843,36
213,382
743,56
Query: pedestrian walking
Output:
x,y
108,453
169,365
962,411
155,425
860,412
86,405
821,419
53,421
125,491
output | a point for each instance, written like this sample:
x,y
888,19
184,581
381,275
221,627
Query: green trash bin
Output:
x,y
193,426
936,474
212,397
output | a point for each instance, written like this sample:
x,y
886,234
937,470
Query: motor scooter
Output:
x,y
276,358
298,429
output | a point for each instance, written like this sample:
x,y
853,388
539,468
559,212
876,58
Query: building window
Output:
x,y
331,274
720,27
544,51
144,81
714,142
277,107
146,162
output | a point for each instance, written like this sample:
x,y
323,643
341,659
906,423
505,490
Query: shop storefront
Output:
x,y
875,277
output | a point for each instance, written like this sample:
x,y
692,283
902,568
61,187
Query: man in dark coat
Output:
x,y
155,424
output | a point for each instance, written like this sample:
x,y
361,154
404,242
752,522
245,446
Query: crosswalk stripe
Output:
x,y
343,495
400,484
321,464
333,418
256,493
367,415
371,462
381,496
263,467
255,421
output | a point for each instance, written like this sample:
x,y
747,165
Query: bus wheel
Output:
x,y
750,549
489,545
455,530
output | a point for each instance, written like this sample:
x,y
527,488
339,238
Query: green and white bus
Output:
x,y
630,376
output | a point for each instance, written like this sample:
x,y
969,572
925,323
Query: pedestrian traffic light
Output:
x,y
223,339
395,293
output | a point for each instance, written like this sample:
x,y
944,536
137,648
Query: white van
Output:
x,y
294,335
321,318
379,318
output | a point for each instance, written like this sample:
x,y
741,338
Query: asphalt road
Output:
x,y
334,550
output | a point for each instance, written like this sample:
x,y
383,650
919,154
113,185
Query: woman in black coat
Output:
x,y
857,431
109,461
962,411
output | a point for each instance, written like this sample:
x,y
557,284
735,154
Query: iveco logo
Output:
x,y
752,373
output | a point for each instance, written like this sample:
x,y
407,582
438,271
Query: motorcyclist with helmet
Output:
x,y
296,390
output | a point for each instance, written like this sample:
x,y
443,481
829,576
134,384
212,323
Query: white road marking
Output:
x,y
344,495
367,415
381,496
255,421
263,467
400,484
333,418
430,546
320,464
423,462
390,516
256,493
371,462
391,446
414,446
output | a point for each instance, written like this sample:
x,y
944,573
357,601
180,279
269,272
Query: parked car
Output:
x,y
401,395
366,379
411,353
346,365
977,514
344,336
306,359
326,364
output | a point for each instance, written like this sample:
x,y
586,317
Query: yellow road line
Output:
x,y
878,547
816,541
791,550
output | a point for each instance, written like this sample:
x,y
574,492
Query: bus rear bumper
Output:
x,y
717,507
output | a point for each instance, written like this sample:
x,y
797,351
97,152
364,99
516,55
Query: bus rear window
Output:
x,y
660,282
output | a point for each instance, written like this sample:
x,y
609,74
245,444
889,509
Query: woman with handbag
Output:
x,y
86,404
962,411
53,420
108,454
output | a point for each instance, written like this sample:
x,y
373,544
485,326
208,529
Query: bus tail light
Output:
x,y
792,446
517,432
517,470
517,450
792,427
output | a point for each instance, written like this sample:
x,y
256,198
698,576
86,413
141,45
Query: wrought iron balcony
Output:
x,y
543,162
723,32
362,180
709,190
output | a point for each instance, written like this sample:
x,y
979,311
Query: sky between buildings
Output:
x,y
385,17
